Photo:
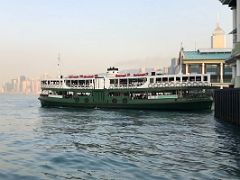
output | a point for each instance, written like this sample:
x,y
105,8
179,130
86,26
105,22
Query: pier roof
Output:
x,y
230,3
210,54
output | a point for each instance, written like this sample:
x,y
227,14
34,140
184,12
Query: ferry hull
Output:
x,y
180,104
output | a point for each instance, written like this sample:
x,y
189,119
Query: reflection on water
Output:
x,y
38,143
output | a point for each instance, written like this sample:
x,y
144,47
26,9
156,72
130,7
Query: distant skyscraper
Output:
x,y
218,38
172,67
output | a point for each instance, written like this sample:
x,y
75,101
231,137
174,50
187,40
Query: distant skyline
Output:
x,y
91,35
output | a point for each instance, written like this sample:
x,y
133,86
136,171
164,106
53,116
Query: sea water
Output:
x,y
61,143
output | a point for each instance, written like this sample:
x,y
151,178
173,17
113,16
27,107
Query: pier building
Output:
x,y
210,60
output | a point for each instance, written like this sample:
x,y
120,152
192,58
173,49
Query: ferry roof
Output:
x,y
206,55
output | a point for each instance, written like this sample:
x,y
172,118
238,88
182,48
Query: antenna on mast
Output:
x,y
218,19
180,59
58,64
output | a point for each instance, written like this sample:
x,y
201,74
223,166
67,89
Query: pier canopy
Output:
x,y
207,54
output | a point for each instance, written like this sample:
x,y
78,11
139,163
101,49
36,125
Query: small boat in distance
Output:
x,y
129,91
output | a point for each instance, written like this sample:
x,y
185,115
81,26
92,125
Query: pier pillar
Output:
x,y
187,68
234,11
233,73
238,20
118,83
237,78
221,73
203,68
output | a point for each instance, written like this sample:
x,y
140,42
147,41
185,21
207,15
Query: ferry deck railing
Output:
x,y
166,85
54,86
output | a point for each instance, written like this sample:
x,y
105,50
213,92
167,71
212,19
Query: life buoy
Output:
x,y
188,84
166,85
171,84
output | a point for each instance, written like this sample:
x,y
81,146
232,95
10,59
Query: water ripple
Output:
x,y
58,143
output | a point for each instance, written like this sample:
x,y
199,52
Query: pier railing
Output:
x,y
227,105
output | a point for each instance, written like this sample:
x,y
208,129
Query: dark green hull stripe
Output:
x,y
164,104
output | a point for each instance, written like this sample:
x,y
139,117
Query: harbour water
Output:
x,y
39,143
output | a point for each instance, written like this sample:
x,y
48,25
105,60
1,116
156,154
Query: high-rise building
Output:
x,y
172,67
218,38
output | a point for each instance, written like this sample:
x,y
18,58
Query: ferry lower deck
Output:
x,y
154,98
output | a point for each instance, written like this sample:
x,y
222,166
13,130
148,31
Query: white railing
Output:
x,y
129,86
179,84
166,85
54,86
124,86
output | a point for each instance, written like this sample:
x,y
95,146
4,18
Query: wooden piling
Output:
x,y
227,105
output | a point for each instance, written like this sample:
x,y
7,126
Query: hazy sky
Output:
x,y
94,34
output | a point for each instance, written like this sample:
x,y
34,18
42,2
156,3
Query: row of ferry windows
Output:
x,y
160,79
132,81
68,82
78,82
183,79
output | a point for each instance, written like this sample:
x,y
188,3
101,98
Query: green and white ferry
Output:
x,y
129,91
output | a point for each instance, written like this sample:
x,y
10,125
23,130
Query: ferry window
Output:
x,y
81,82
74,82
87,82
142,80
205,78
153,73
171,79
184,79
123,81
154,93
137,82
151,80
178,79
198,78
113,81
192,78
67,82
165,79
158,79
114,94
